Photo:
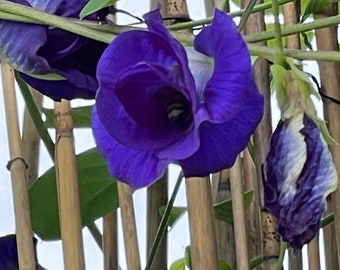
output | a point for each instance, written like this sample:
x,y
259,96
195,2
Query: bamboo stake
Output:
x,y
291,17
110,240
68,190
326,39
31,141
255,24
313,254
253,223
17,167
157,196
236,187
129,226
224,231
202,228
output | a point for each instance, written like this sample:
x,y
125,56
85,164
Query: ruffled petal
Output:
x,y
221,143
137,168
226,91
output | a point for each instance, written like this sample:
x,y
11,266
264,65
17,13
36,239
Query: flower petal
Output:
x,y
226,91
221,143
137,168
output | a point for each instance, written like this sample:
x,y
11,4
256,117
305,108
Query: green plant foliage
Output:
x,y
95,5
81,117
178,265
222,265
98,195
175,214
224,209
313,6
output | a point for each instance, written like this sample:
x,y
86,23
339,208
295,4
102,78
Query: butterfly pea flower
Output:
x,y
9,253
57,63
298,175
161,103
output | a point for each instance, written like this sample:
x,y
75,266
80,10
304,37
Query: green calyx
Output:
x,y
293,91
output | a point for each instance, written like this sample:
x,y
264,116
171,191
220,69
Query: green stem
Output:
x,y
239,13
279,56
283,247
53,20
294,29
255,262
164,223
36,116
97,236
246,14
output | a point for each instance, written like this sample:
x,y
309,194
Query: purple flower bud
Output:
x,y
298,175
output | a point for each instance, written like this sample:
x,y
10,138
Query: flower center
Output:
x,y
179,111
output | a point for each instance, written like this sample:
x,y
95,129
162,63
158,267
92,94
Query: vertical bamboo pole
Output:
x,y
129,227
255,23
313,254
236,187
291,17
31,141
17,167
110,242
326,39
224,231
253,224
68,190
202,227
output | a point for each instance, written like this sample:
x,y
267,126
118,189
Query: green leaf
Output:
x,y
175,214
222,265
224,210
98,195
95,5
81,117
178,265
314,6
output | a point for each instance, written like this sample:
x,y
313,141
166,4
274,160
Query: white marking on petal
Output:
x,y
201,67
296,155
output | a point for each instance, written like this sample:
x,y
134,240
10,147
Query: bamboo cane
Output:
x,y
291,17
17,167
202,227
236,187
31,141
68,190
129,227
110,239
224,231
313,254
326,39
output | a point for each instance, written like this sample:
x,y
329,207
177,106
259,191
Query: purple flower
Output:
x,y
9,253
57,63
298,175
155,107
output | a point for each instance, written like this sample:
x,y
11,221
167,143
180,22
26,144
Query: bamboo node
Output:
x,y
10,163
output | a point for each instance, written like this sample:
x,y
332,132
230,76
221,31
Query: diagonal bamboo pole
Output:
x,y
236,187
326,39
202,228
68,190
31,141
17,167
129,226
